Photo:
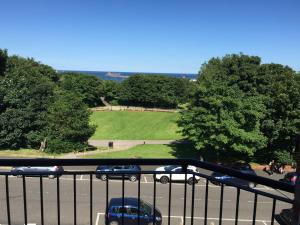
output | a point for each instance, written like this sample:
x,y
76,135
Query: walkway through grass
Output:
x,y
152,151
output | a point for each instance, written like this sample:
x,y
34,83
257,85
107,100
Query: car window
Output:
x,y
169,168
118,167
132,211
177,169
119,210
146,208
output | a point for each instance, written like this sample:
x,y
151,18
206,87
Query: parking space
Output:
x,y
179,220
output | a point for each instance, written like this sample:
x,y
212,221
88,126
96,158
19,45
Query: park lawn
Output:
x,y
152,151
25,153
121,125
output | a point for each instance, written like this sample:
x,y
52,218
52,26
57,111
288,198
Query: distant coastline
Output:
x,y
120,76
112,74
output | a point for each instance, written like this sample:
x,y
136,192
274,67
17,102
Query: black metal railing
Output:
x,y
65,201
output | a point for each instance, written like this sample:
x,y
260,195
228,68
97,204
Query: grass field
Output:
x,y
135,125
152,151
25,153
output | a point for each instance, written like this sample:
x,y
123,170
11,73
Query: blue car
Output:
x,y
119,172
115,211
244,168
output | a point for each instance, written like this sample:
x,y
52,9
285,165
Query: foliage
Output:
x,y
26,91
155,91
124,125
224,121
284,157
87,87
68,125
111,91
271,86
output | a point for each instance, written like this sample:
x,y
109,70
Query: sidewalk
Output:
x,y
129,143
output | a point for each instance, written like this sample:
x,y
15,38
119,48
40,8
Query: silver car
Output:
x,y
55,170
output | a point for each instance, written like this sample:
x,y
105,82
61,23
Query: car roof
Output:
x,y
127,201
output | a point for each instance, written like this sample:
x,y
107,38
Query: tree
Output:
x,y
68,127
224,123
26,92
277,86
87,87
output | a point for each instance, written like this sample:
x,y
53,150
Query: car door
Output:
x,y
117,169
177,176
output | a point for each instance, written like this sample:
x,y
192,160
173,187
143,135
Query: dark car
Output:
x,y
290,178
285,217
53,171
147,214
242,167
119,172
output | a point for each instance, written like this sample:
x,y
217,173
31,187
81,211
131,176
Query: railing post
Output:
x,y
296,206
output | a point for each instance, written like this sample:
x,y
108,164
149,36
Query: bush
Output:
x,y
284,157
62,146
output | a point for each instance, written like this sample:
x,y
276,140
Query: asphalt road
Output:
x,y
264,207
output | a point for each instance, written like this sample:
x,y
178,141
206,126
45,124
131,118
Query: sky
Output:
x,y
149,35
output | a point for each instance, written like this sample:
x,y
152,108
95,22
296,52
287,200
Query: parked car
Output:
x,y
131,168
242,167
165,178
115,210
56,170
290,178
285,217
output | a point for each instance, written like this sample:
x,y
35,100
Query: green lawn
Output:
x,y
135,125
25,153
152,151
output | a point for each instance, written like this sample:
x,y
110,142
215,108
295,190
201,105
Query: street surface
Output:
x,y
263,216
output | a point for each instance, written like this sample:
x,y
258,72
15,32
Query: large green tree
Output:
x,y
223,122
26,89
275,86
68,127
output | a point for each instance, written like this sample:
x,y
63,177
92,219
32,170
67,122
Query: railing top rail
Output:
x,y
149,162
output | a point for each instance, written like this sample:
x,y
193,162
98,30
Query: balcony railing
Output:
x,y
74,196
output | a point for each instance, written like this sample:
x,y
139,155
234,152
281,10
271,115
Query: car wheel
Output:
x,y
103,177
51,176
113,223
164,179
18,174
251,185
133,178
191,181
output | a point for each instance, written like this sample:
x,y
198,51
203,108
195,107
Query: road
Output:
x,y
264,207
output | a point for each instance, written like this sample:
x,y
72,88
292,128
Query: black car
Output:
x,y
285,217
119,172
242,167
130,212
290,178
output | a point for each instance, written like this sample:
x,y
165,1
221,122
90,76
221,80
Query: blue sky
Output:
x,y
149,35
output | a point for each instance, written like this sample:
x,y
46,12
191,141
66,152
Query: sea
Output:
x,y
120,76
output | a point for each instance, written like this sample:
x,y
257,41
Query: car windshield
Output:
x,y
146,208
169,168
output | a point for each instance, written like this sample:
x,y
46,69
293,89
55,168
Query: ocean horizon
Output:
x,y
120,76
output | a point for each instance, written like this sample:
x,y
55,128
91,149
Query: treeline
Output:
x,y
138,90
244,109
37,110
